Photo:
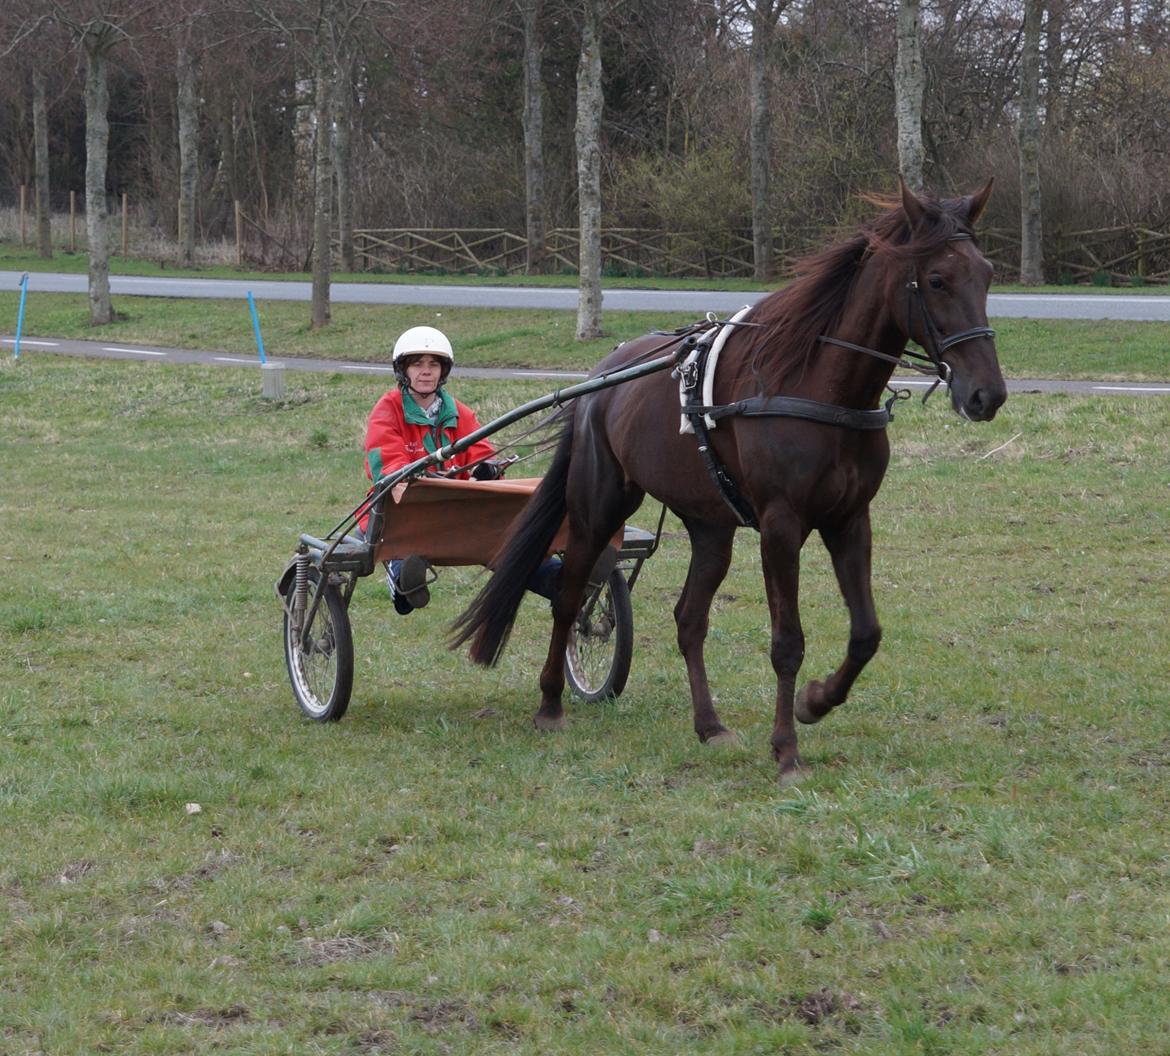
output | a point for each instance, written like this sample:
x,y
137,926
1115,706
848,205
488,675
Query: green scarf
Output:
x,y
447,418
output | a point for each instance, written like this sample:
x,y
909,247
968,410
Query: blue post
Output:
x,y
256,327
20,314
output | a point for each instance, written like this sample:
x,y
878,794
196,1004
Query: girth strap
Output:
x,y
795,407
728,489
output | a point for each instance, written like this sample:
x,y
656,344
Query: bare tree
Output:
x,y
97,39
188,111
322,32
588,139
1031,243
97,28
41,148
765,15
343,153
909,89
533,136
324,72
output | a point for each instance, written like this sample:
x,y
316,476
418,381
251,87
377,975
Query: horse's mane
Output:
x,y
794,317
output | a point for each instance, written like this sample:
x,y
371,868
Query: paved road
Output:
x,y
145,353
1015,305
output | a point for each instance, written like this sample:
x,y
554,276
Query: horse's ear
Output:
x,y
976,203
911,204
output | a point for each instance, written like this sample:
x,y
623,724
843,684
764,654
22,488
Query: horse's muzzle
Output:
x,y
981,403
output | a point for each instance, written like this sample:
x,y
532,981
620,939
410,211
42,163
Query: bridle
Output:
x,y
934,345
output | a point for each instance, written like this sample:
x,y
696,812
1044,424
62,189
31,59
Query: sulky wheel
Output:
x,y
320,659
601,641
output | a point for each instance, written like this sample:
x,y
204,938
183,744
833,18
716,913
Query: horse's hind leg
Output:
x,y
850,548
710,558
596,512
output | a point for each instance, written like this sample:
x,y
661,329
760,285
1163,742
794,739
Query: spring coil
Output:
x,y
300,591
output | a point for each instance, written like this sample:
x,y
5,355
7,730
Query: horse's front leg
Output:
x,y
780,544
850,548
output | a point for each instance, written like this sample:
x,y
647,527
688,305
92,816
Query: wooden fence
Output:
x,y
483,250
1122,255
1125,255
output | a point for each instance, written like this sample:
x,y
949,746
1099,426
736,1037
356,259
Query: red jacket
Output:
x,y
398,433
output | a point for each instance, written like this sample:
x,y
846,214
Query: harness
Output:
x,y
702,416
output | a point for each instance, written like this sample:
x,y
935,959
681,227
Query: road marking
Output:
x,y
134,351
1132,388
233,359
26,341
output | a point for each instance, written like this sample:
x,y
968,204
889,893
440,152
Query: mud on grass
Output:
x,y
976,864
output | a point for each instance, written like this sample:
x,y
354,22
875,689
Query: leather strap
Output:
x,y
795,407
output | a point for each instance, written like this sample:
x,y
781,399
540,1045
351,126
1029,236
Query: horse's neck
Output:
x,y
852,378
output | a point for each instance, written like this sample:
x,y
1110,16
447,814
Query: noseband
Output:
x,y
934,343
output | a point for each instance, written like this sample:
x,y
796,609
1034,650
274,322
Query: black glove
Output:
x,y
486,471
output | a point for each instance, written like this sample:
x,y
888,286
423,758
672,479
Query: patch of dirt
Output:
x,y
432,1015
74,871
329,951
216,1018
214,864
378,1041
12,895
818,1006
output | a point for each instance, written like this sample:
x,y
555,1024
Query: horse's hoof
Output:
x,y
792,775
802,708
723,737
549,724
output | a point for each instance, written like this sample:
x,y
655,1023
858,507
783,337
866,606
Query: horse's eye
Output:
x,y
936,282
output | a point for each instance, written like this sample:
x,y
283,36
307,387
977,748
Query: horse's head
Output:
x,y
940,300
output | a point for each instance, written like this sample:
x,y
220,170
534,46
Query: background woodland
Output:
x,y
211,102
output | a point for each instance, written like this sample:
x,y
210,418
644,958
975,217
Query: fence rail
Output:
x,y
1110,255
624,250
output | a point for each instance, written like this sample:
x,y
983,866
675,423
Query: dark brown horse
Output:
x,y
831,340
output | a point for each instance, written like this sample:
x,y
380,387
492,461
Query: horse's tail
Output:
x,y
489,618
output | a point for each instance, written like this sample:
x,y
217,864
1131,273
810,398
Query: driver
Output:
x,y
415,419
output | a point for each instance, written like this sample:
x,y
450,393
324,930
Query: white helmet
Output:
x,y
420,340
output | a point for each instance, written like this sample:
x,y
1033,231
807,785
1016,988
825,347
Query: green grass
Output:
x,y
977,863
1109,349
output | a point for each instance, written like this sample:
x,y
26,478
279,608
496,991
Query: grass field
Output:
x,y
1107,349
977,864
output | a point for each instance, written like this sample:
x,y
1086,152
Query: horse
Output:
x,y
800,446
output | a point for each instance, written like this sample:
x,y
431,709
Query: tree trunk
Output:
x,y
224,190
188,153
41,149
533,138
588,133
909,88
342,123
1031,241
323,186
761,117
97,141
1054,67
